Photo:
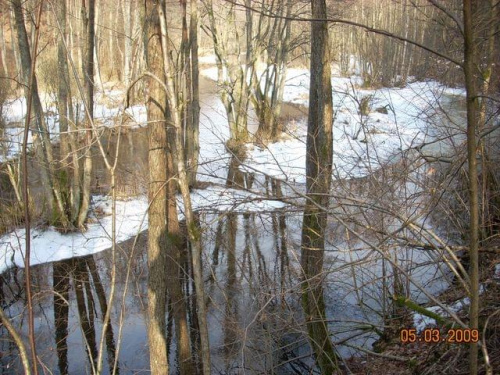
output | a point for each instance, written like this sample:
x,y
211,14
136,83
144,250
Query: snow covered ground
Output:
x,y
107,112
396,119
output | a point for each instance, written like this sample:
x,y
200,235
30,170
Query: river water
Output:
x,y
251,266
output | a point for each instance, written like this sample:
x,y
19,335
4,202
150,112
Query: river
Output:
x,y
251,265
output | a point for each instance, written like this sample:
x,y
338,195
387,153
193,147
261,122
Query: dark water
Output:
x,y
251,265
248,280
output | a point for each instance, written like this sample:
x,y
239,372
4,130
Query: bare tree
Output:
x,y
319,176
157,196
42,143
88,19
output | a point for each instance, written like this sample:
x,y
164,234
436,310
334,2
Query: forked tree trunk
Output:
x,y
318,180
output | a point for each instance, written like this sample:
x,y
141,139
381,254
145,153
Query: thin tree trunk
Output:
x,y
43,146
88,16
193,232
127,27
5,65
30,81
67,127
23,353
193,144
470,71
68,147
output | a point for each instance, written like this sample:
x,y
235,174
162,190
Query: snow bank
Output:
x,y
108,110
50,245
131,218
395,120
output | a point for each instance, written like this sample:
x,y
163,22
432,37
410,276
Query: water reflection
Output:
x,y
251,270
61,282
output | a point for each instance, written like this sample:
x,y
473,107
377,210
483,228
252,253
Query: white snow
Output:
x,y
421,321
108,111
362,142
496,274
131,218
50,245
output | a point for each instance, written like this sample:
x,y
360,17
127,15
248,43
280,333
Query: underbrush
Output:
x,y
449,195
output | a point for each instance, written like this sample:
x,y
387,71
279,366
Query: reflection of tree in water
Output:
x,y
252,282
86,283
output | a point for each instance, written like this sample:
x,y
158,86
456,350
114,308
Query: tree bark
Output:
x,y
127,27
69,149
318,180
470,72
88,16
178,158
193,138
3,57
157,197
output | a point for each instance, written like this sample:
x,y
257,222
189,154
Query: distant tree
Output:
x,y
258,78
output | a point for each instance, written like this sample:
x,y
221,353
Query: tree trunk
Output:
x,y
318,181
88,16
69,148
178,157
193,137
41,136
470,71
157,196
3,57
127,27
